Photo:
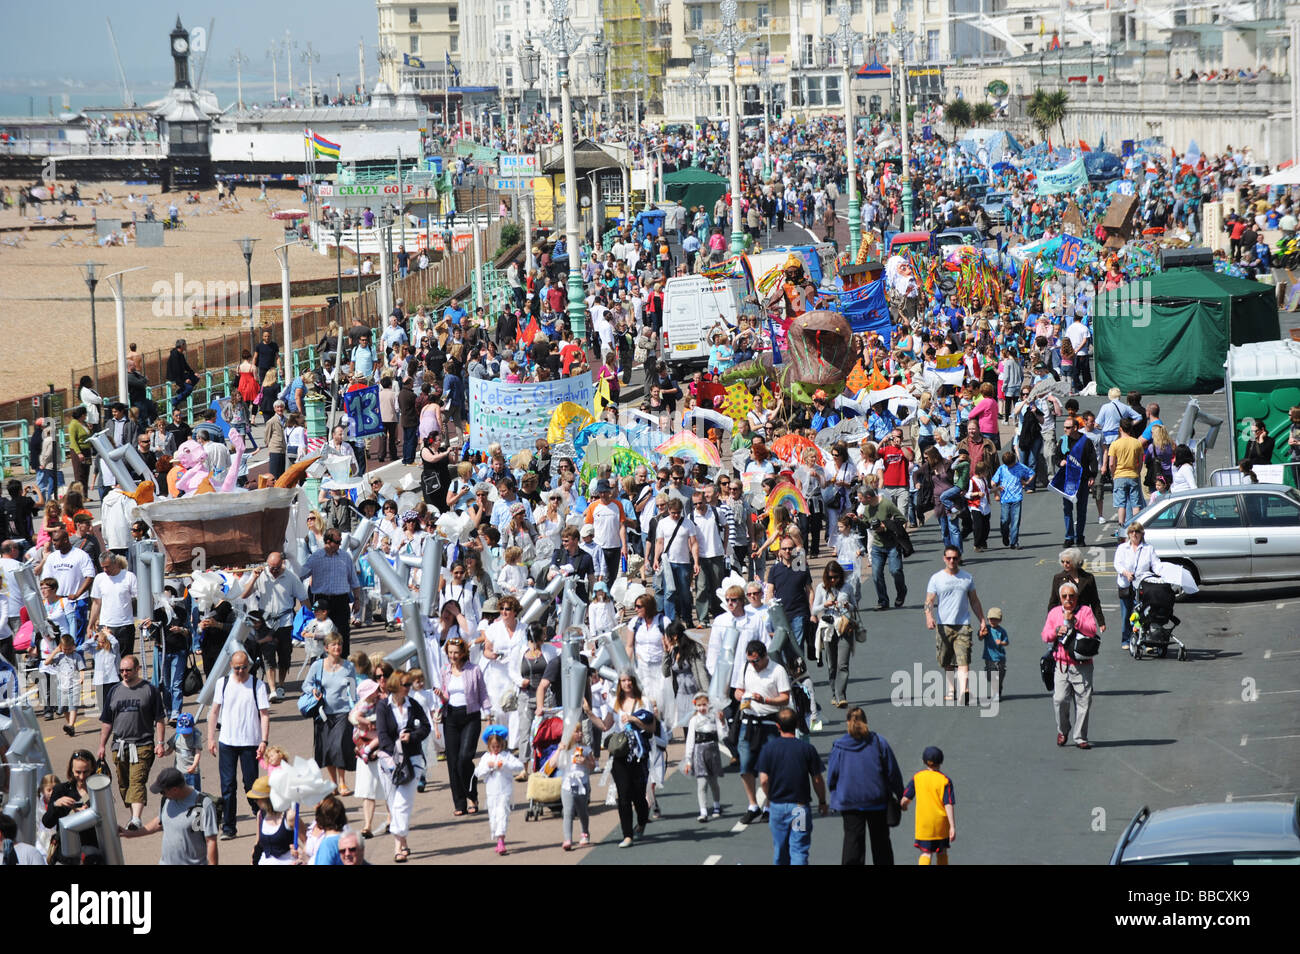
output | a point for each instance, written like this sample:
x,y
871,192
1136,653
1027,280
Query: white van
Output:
x,y
693,306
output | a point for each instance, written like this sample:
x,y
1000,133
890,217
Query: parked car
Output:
x,y
997,205
1234,534
959,235
1220,833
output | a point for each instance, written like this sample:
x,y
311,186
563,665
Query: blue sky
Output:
x,y
47,49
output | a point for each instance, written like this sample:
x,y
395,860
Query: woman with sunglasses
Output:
x,y
834,615
465,702
480,510
839,476
70,796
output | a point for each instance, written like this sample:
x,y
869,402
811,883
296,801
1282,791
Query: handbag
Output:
x,y
192,681
309,704
1047,669
617,744
403,771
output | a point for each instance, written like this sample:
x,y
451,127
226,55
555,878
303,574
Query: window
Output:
x,y
610,185
454,40
1271,510
1166,518
510,77
1029,23
1180,18
415,44
932,45
1213,512
833,91
453,14
882,6
806,50
414,14
694,19
1029,47
762,16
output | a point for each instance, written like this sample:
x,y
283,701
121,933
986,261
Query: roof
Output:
x,y
1218,828
873,69
587,157
320,114
1203,283
694,174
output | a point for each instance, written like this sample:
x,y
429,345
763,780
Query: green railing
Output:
x,y
13,445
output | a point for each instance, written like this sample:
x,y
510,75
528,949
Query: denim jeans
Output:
x,y
894,557
678,605
1126,610
45,482
1032,456
792,827
1128,495
230,758
182,393
1010,525
173,675
1076,514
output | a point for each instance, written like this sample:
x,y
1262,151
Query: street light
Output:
x,y
337,224
761,50
562,40
91,277
902,38
597,60
119,300
729,41
845,37
529,69
286,312
246,246
701,61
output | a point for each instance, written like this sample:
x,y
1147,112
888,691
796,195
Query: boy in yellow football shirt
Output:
x,y
936,821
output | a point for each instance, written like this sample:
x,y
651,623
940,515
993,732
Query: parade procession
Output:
x,y
655,428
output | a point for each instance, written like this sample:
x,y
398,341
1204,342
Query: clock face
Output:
x,y
180,44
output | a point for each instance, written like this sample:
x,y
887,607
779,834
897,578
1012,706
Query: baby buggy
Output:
x,y
543,789
1153,619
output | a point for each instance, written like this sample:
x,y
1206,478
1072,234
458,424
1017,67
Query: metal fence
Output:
x,y
214,359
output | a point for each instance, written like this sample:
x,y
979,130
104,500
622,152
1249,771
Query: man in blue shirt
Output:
x,y
785,766
1010,482
881,421
454,314
453,390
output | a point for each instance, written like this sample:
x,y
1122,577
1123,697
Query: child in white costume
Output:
x,y
497,769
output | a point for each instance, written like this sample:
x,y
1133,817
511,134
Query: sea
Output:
x,y
52,104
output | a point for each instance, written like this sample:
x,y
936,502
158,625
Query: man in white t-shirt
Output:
x,y
10,564
73,570
1078,334
949,598
763,688
606,515
713,537
112,601
677,544
239,739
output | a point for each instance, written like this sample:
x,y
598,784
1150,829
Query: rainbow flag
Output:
x,y
729,268
322,147
686,445
785,494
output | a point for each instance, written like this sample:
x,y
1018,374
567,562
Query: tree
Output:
x,y
958,114
981,113
1048,110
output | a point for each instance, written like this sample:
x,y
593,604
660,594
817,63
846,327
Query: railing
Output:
x,y
1287,473
65,147
13,445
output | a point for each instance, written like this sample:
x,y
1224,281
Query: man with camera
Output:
x,y
1071,628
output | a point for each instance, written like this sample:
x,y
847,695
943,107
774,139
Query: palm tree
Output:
x,y
1048,110
981,113
958,114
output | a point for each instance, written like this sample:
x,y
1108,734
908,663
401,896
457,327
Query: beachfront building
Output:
x,y
419,43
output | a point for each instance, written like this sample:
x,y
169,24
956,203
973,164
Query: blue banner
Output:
x,y
1068,258
1069,177
1070,476
867,309
515,415
362,406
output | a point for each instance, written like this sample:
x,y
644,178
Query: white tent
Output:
x,y
1286,177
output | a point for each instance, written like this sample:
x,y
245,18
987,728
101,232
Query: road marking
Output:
x,y
1279,692
1244,738
738,827
1270,653
1110,606
1274,738
1167,791
1239,758
712,859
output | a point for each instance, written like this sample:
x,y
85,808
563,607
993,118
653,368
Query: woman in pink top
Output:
x,y
1073,675
985,414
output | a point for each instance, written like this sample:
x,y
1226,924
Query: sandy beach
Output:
x,y
44,304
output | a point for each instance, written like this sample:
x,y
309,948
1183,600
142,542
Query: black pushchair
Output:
x,y
1153,619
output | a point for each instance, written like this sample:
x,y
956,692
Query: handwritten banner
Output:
x,y
515,415
362,406
1069,177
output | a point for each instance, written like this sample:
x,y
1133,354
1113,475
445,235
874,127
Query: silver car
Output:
x,y
1235,534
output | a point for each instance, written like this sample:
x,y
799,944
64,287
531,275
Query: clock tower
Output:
x,y
180,38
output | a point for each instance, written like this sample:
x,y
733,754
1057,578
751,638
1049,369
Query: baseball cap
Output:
x,y
185,724
320,603
995,613
933,754
167,778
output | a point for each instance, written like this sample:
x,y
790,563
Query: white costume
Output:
x,y
497,772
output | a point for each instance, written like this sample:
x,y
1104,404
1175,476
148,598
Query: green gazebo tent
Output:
x,y
1169,334
694,186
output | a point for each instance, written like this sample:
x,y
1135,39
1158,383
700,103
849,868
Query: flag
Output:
x,y
414,62
776,351
948,369
322,147
1083,146
1068,478
455,73
1042,26
1049,147
528,332
602,395
1056,42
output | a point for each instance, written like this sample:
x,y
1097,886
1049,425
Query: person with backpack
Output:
x,y
188,820
762,690
239,739
784,770
135,716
